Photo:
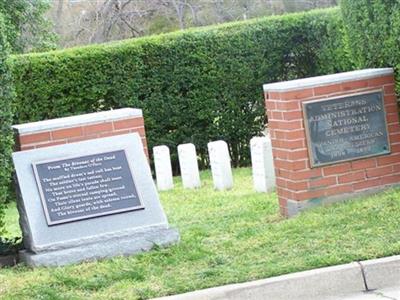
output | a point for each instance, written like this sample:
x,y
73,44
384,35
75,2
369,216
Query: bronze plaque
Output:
x,y
86,186
346,128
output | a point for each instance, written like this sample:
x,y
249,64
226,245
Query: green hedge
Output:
x,y
372,32
6,93
193,86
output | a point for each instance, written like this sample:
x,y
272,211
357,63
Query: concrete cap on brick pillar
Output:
x,y
300,84
73,121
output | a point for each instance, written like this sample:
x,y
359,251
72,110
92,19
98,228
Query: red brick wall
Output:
x,y
294,178
80,133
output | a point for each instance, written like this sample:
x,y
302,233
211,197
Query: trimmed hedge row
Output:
x,y
193,86
6,141
372,31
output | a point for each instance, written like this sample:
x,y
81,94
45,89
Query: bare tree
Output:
x,y
83,22
183,9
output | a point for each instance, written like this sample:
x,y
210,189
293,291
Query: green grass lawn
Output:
x,y
226,237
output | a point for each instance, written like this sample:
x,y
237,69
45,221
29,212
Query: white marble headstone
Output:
x,y
262,164
189,166
220,165
162,163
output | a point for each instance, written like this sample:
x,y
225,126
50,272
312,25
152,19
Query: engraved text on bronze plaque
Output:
x,y
87,186
346,128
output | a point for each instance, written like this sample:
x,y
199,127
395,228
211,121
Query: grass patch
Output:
x,y
226,237
11,220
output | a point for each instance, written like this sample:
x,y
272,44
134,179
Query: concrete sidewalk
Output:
x,y
382,294
371,279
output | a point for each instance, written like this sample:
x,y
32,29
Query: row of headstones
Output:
x,y
261,160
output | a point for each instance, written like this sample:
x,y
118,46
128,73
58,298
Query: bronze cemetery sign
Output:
x,y
346,128
86,186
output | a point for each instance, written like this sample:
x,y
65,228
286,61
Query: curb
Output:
x,y
323,283
382,272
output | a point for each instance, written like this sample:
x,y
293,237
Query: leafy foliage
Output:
x,y
193,86
10,245
373,30
26,27
6,93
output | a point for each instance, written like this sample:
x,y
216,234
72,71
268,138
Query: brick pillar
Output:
x,y
298,184
79,128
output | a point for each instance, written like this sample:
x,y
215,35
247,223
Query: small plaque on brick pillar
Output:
x,y
346,128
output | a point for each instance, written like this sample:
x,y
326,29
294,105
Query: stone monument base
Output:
x,y
122,245
295,207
